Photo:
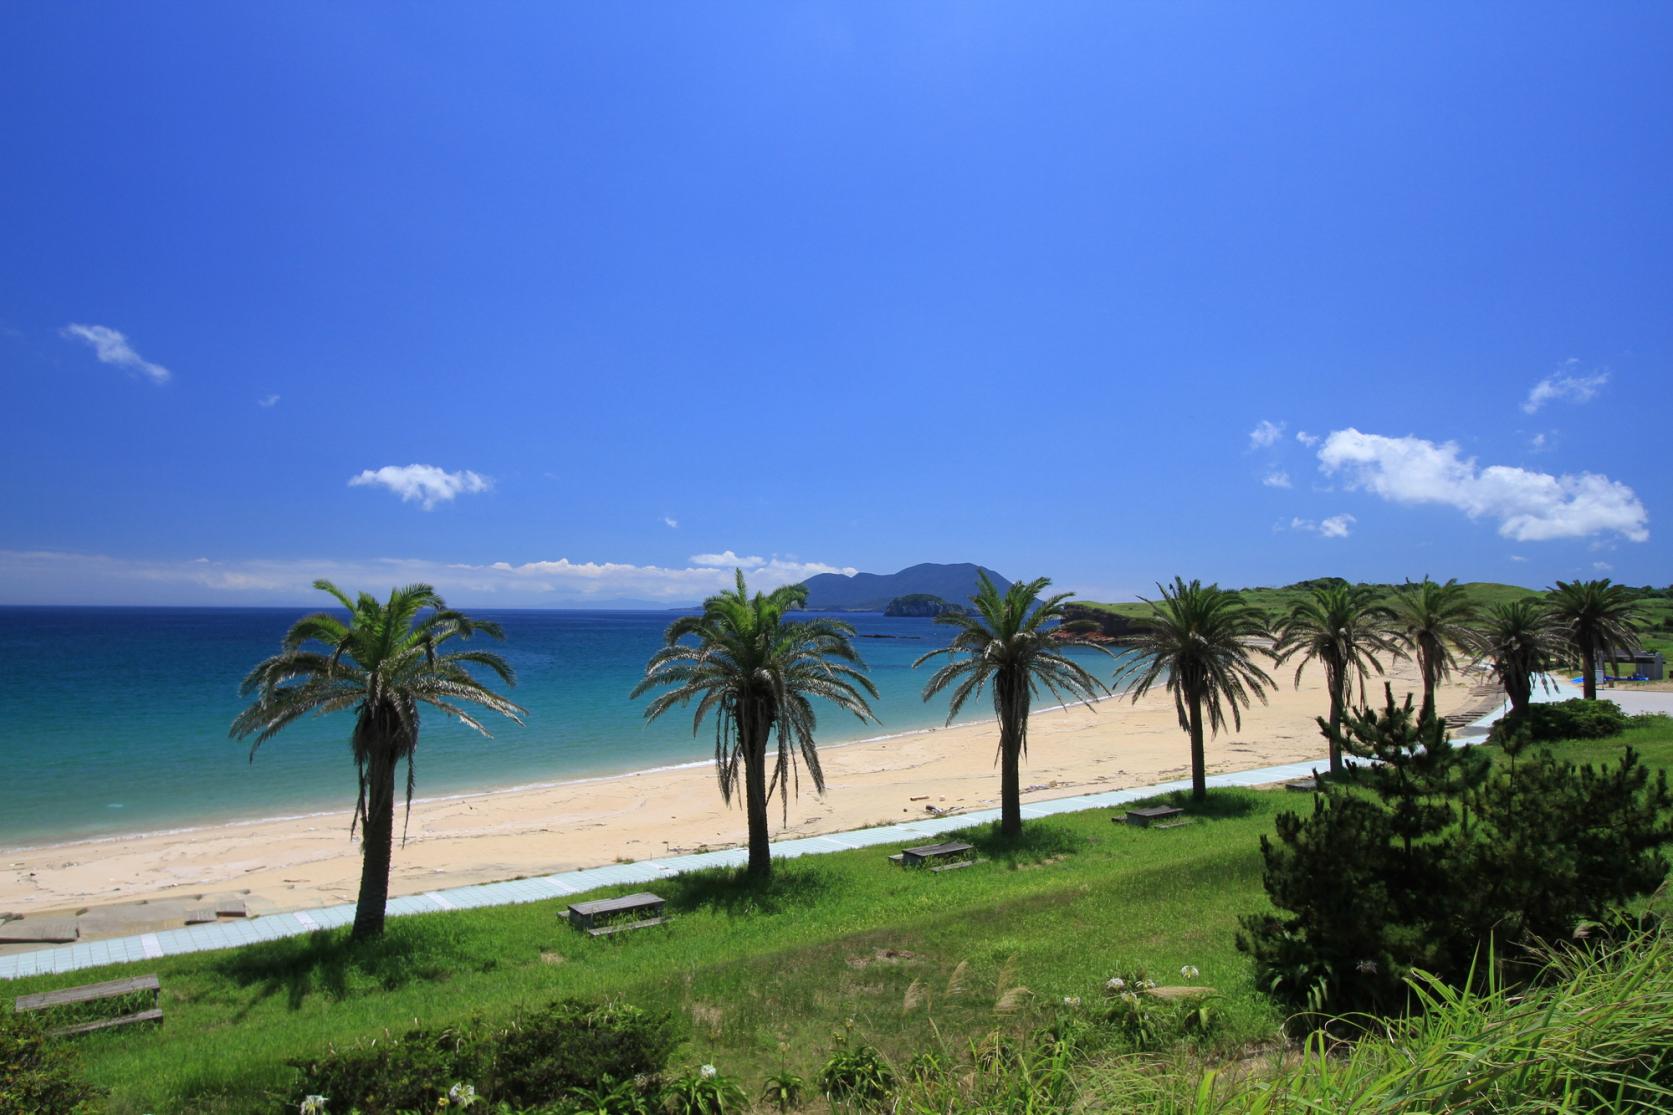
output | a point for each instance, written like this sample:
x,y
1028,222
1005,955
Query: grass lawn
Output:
x,y
760,979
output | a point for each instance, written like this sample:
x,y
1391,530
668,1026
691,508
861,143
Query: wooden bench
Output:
x,y
945,856
1155,815
93,992
617,913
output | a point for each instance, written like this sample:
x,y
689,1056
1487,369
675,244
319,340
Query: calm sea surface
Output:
x,y
114,720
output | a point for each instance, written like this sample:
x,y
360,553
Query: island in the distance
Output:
x,y
922,605
873,592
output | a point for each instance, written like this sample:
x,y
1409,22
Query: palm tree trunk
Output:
x,y
1427,669
1588,667
1199,761
1336,685
1519,687
1013,716
755,804
376,841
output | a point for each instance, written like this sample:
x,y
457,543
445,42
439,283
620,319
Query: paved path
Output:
x,y
230,934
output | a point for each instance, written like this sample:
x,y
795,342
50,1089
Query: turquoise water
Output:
x,y
114,720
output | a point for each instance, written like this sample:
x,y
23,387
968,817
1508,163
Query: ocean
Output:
x,y
114,720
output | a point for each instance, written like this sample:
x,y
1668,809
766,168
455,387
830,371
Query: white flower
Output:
x,y
463,1095
707,1072
1117,984
1148,985
313,1105
1189,971
1071,1000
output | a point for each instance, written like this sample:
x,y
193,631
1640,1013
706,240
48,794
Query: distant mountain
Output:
x,y
871,592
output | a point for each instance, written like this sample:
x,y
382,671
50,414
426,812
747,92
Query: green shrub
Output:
x,y
37,1074
857,1076
703,1091
541,1057
1427,854
1555,720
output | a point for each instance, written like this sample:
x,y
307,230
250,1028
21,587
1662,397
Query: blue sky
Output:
x,y
1101,292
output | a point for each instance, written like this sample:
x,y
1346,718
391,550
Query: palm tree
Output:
x,y
1013,643
1521,639
1343,628
1594,616
756,670
1433,621
1204,642
384,664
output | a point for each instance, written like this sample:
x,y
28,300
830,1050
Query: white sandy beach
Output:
x,y
139,883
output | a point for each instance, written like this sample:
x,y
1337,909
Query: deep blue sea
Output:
x,y
114,720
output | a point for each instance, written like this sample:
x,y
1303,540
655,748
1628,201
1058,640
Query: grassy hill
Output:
x,y
1278,601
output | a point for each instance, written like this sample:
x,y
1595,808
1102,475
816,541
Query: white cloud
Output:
x,y
1517,557
1603,567
1307,439
1265,435
70,578
1568,385
111,347
425,484
671,522
1529,506
267,401
1540,442
727,560
1277,478
1337,526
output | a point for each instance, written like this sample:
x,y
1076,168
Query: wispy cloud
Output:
x,y
1603,567
64,578
670,522
1307,439
1529,506
1277,478
1266,434
425,485
268,401
112,347
1337,526
1568,384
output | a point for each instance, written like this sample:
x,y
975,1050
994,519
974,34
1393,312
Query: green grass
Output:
x,y
759,978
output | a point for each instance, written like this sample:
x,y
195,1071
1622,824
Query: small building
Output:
x,y
1647,664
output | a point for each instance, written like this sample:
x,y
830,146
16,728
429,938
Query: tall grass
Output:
x,y
1594,1033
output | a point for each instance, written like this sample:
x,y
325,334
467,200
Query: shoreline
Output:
x,y
490,791
119,885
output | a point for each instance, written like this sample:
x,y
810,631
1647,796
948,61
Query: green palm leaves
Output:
x,y
1343,629
1594,616
1011,644
1521,639
1432,622
1203,643
756,671
385,663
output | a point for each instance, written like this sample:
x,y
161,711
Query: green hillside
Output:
x,y
1278,601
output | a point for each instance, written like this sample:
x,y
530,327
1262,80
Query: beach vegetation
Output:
x,y
1204,645
1576,718
387,662
1011,644
37,1073
1342,628
757,671
1521,641
1434,623
1433,853
536,1057
1595,618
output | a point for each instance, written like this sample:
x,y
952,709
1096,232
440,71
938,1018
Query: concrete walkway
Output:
x,y
231,934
